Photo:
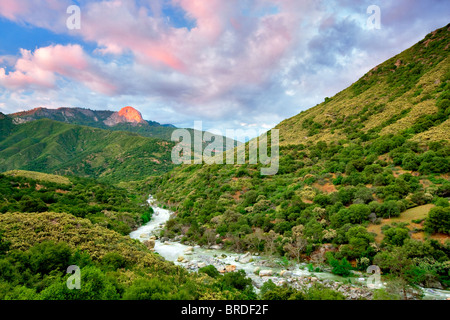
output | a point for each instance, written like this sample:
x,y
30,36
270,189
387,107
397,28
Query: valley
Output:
x,y
258,268
363,181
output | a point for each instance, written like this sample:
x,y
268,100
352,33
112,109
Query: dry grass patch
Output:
x,y
408,216
39,176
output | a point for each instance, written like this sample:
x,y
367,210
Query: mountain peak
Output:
x,y
125,115
131,114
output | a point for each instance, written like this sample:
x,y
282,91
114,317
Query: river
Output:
x,y
193,256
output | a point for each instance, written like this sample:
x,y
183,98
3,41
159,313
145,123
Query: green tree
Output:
x,y
148,289
340,267
94,286
358,213
270,291
210,270
4,245
29,204
320,292
389,209
438,220
49,256
396,236
397,263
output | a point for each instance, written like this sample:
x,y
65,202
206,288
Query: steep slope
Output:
x,y
369,153
37,248
49,222
55,147
408,91
6,125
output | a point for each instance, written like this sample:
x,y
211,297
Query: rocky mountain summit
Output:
x,y
125,115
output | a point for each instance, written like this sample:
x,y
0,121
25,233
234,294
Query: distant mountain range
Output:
x,y
127,119
116,146
56,147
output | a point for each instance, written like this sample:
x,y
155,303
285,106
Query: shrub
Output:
x,y
236,280
396,236
147,289
438,220
210,271
319,292
113,261
48,256
340,268
95,286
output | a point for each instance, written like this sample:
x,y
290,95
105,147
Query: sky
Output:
x,y
232,64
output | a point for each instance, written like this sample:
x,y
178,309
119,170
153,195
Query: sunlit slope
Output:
x,y
396,95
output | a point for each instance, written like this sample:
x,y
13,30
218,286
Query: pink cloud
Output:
x,y
42,68
225,50
210,16
49,14
12,8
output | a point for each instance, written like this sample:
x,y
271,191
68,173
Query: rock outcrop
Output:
x,y
126,115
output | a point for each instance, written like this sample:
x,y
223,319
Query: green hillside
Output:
x,y
36,248
47,224
55,147
409,92
103,204
369,153
6,126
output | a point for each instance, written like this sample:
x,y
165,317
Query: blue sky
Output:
x,y
232,64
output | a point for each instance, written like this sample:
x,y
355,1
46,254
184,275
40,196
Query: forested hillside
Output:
x,y
358,160
49,222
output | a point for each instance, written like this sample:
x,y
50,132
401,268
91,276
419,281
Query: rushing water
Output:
x,y
220,258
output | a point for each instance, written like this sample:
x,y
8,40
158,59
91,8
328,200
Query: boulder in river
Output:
x,y
222,269
246,258
150,244
433,284
266,273
286,273
201,265
230,268
180,259
189,250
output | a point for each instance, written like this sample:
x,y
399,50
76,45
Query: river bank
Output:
x,y
258,268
